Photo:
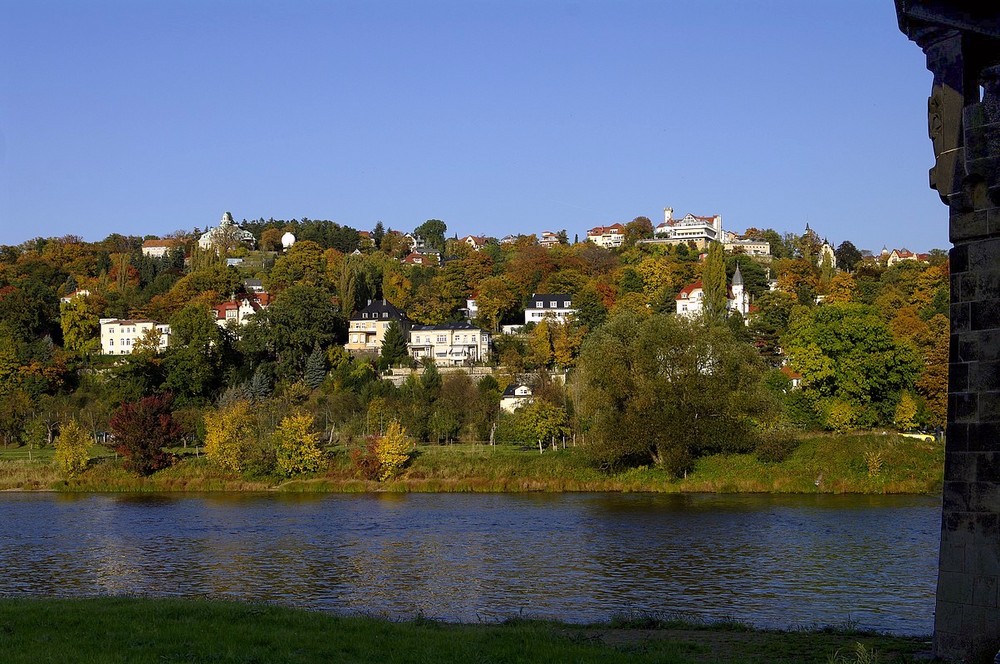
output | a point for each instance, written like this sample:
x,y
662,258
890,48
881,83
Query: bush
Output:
x,y
72,449
296,445
776,446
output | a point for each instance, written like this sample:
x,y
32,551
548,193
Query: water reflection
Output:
x,y
771,560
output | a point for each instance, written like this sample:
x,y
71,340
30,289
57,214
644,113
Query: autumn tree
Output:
x,y
80,324
230,434
72,449
297,445
393,451
142,429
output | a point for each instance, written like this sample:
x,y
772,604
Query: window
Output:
x,y
442,339
385,314
364,315
567,304
111,342
538,305
553,304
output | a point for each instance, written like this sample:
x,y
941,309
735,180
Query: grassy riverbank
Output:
x,y
102,630
863,463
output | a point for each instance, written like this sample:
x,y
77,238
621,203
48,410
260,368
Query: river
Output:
x,y
773,561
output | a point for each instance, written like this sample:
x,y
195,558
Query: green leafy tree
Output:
x,y
433,232
72,449
80,324
665,389
393,345
714,288
846,351
297,445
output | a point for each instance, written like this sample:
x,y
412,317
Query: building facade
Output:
x,y
557,307
609,237
451,344
690,301
120,336
689,229
366,329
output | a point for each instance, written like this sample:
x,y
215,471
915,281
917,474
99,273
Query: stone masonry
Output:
x,y
961,39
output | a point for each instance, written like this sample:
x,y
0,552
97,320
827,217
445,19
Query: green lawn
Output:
x,y
111,630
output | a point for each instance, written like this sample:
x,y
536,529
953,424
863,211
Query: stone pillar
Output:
x,y
961,39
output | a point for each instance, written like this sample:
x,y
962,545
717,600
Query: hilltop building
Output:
x,y
690,301
120,336
366,329
450,344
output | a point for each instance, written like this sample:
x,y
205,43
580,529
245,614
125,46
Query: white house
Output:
x,y
119,336
477,242
690,301
239,311
226,232
515,396
689,228
608,237
366,330
69,297
450,344
160,248
549,239
545,305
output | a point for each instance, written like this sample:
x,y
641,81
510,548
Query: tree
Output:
x,y
846,351
80,326
230,435
315,371
297,445
142,429
847,255
393,344
393,451
433,232
72,449
714,287
666,389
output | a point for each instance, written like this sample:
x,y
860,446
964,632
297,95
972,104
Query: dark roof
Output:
x,y
463,325
512,389
376,308
561,300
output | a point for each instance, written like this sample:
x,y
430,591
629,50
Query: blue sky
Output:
x,y
496,116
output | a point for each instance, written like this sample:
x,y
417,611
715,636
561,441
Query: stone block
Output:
x,y
985,376
984,593
958,377
954,587
983,559
983,437
953,557
963,406
956,497
984,256
958,258
983,315
987,345
987,285
987,466
948,617
961,317
958,436
989,406
962,467
968,226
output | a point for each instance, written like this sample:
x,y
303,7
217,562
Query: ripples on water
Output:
x,y
775,561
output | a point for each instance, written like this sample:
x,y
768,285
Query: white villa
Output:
x,y
450,344
119,337
225,232
239,311
690,301
366,330
545,305
608,237
160,248
689,228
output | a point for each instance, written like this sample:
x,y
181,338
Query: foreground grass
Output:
x,y
863,463
109,630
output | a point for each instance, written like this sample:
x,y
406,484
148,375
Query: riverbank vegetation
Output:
x,y
101,630
823,463
633,389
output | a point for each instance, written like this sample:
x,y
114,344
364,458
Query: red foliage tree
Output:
x,y
142,429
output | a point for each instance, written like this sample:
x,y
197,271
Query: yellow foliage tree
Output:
x,y
72,449
229,435
297,445
393,451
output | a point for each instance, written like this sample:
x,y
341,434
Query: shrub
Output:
x,y
142,429
296,445
776,446
393,451
230,435
72,449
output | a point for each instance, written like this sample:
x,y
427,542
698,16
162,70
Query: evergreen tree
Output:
x,y
315,368
713,281
393,345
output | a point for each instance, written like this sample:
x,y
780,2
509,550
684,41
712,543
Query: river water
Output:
x,y
773,561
